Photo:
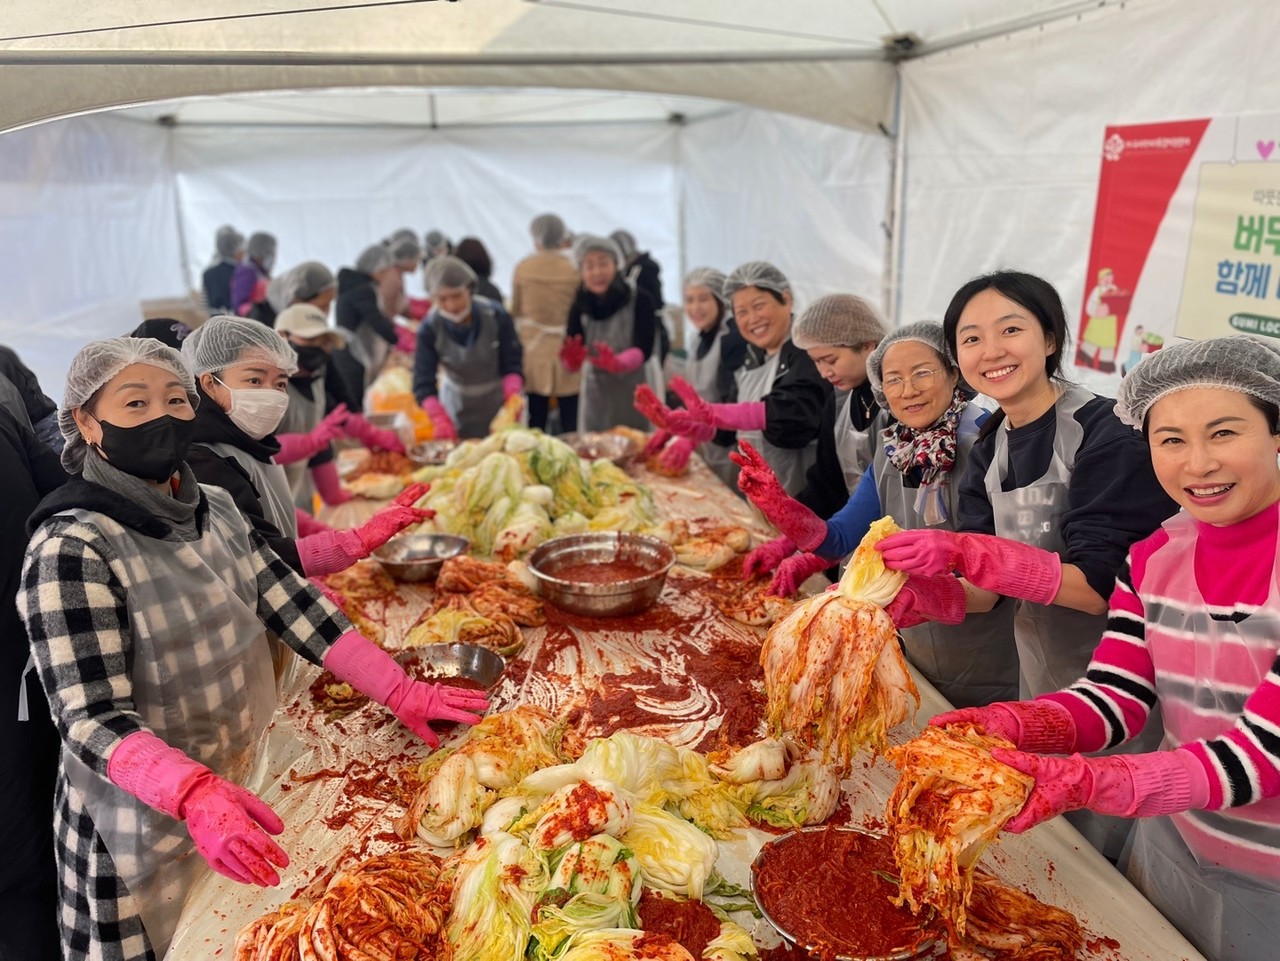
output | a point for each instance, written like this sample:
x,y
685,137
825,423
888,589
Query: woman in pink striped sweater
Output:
x,y
1194,626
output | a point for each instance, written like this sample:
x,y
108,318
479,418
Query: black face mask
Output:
x,y
311,360
152,451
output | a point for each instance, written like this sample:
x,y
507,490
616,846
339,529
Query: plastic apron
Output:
x,y
703,374
608,400
1227,911
272,485
370,351
854,448
1055,644
202,682
470,386
305,411
790,465
975,662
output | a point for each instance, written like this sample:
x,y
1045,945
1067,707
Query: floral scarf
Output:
x,y
931,451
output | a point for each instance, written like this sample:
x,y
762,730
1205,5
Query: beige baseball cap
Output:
x,y
309,322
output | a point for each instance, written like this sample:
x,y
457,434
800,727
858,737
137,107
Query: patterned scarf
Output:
x,y
931,451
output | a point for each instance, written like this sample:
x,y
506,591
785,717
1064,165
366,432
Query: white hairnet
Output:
x,y
927,332
228,241
223,342
373,259
548,231
435,239
404,245
837,320
96,364
710,278
756,273
1240,363
307,280
261,246
626,242
586,243
447,272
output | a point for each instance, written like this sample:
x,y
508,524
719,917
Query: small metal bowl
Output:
x,y
418,557
617,599
925,949
602,445
471,661
431,453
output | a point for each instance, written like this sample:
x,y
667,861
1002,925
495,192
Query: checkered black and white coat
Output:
x,y
73,601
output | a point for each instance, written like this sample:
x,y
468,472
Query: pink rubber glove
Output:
x,y
406,340
228,824
766,558
624,363
1044,727
333,551
757,480
371,670
441,423
794,571
296,447
394,518
573,354
923,599
687,425
675,457
657,441
308,525
512,384
418,308
992,563
374,438
1122,785
329,487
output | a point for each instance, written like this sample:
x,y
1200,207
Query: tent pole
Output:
x,y
897,206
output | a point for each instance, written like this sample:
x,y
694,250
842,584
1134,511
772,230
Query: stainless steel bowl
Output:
x,y
431,453
617,599
456,660
602,445
925,950
418,557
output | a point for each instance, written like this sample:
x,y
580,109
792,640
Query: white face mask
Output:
x,y
450,316
255,410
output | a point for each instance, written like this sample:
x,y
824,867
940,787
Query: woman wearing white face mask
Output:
x,y
242,372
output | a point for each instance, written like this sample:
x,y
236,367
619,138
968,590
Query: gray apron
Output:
x,y
608,400
1181,862
703,374
1055,644
305,411
470,385
202,682
273,487
976,662
854,448
790,465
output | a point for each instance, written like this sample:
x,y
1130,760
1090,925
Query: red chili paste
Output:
x,y
586,813
607,572
689,922
822,888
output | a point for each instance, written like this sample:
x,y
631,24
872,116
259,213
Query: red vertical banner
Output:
x,y
1142,165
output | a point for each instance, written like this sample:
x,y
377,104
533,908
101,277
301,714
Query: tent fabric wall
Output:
x,y
1004,138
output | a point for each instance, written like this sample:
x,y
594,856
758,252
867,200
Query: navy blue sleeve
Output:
x,y
850,524
974,514
646,325
425,362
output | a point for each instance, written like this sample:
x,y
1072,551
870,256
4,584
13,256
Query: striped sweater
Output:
x,y
1211,663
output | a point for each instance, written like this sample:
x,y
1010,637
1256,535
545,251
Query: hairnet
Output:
x,y
548,231
756,273
447,271
261,246
927,332
589,242
710,278
228,241
626,242
95,365
404,245
373,259
307,280
1241,363
837,320
436,238
222,342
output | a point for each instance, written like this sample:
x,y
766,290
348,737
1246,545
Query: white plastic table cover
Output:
x,y
332,782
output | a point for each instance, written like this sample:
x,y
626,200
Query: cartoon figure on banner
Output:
x,y
1106,306
1140,344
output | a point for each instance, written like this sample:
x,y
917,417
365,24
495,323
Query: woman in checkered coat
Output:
x,y
147,598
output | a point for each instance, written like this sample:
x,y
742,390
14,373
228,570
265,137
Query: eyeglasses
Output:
x,y
920,380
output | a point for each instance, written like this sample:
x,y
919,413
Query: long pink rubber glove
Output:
x,y
992,563
296,447
334,551
371,670
1044,727
757,480
228,824
374,438
624,363
308,525
441,423
406,340
512,384
573,353
766,558
923,599
675,457
325,477
1122,785
794,571
657,441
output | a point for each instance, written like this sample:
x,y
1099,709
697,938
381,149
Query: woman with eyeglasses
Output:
x,y
922,445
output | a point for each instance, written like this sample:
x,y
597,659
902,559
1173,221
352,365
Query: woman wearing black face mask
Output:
x,y
148,598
